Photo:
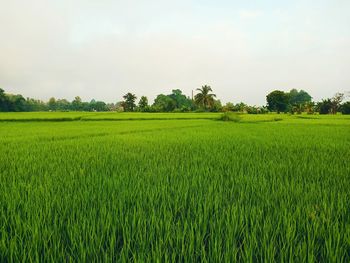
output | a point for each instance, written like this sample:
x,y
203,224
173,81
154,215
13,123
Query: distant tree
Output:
x,y
325,106
217,106
345,108
164,103
229,106
309,107
63,105
97,106
182,102
52,104
238,107
241,107
256,110
3,101
16,103
119,106
111,107
35,105
204,98
143,104
77,104
336,102
296,108
129,102
277,101
298,97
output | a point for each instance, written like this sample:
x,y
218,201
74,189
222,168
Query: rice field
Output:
x,y
184,187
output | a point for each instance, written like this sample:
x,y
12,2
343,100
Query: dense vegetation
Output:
x,y
262,188
278,101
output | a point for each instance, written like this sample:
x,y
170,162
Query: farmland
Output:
x,y
174,187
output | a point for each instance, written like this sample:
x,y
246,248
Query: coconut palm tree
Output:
x,y
204,98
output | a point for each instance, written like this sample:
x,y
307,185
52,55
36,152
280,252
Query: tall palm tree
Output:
x,y
204,98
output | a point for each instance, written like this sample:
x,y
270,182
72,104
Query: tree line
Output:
x,y
296,101
204,100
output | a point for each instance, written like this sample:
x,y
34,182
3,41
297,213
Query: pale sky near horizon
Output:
x,y
102,49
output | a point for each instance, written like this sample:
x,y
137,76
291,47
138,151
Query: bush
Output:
x,y
230,116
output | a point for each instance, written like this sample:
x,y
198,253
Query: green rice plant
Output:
x,y
180,190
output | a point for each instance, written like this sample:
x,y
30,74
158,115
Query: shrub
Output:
x,y
230,116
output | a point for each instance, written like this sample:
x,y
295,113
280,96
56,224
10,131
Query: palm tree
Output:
x,y
204,98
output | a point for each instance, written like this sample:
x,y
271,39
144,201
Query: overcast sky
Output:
x,y
103,49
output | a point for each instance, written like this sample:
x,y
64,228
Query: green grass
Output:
x,y
101,116
195,189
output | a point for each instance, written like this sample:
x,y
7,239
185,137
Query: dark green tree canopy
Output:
x,y
143,103
345,107
298,97
181,101
277,100
325,106
77,104
3,101
164,103
129,101
10,102
95,106
52,104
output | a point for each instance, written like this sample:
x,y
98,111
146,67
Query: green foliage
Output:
x,y
310,107
336,102
129,102
229,106
16,103
164,103
256,110
176,102
204,99
182,102
95,106
332,105
230,116
345,108
277,101
174,190
3,101
63,105
217,106
35,105
52,104
298,97
143,104
77,104
298,108
325,106
294,102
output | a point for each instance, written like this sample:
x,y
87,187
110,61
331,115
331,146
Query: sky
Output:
x,y
102,49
